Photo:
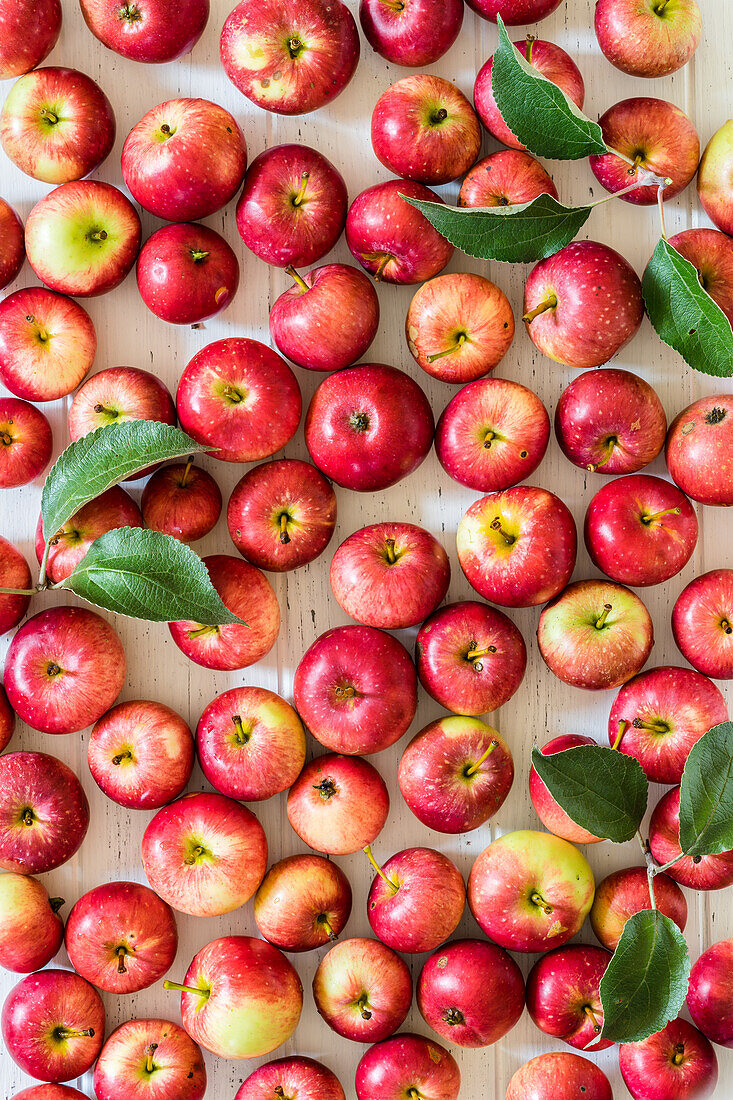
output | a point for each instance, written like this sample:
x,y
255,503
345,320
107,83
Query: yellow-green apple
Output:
x,y
82,238
303,902
247,593
507,178
390,575
714,177
492,434
14,574
407,1064
25,442
149,1059
459,327
141,754
550,61
7,719
363,990
121,937
292,209
338,804
530,891
65,667
648,38
328,319
181,500
514,12
356,689
471,993
113,509
711,252
699,450
47,344
595,635
610,421
53,1025
392,240
698,872
250,744
49,1092
282,514
413,33
290,56
12,243
470,657
368,426
238,396
550,813
57,125
582,305
294,1076
517,547
186,273
709,996
44,813
31,931
204,854
29,30
563,995
184,159
144,30
623,893
677,1061
702,623
455,773
559,1077
416,899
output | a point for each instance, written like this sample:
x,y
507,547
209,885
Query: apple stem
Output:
x,y
28,817
325,923
725,625
242,735
149,1063
460,341
632,169
368,853
413,1094
71,1033
653,727
194,855
347,692
438,116
530,44
601,620
117,760
381,259
622,728
200,631
661,6
187,988
120,953
679,1054
390,551
496,526
197,255
98,235
184,476
232,395
6,439
597,1027
301,193
475,767
536,898
298,279
361,1004
395,5
474,653
56,903
658,515
611,444
550,302
284,521
49,116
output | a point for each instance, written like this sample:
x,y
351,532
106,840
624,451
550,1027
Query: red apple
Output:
x,y
559,1077
303,902
677,1062
709,995
14,573
184,159
31,931
290,56
714,175
113,509
42,794
356,690
507,178
250,744
29,30
118,394
416,900
281,515
7,719
181,500
25,442
408,1063
47,344
238,396
12,239
147,30
563,996
49,1092
204,854
648,39
698,873
363,990
514,12
338,804
699,450
455,773
149,1060
711,252
550,813
186,273
701,626
625,892
301,1077
415,33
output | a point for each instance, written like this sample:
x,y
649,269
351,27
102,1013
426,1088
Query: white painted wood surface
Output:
x,y
129,334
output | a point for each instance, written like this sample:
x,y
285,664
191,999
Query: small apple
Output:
x,y
677,1061
416,899
625,892
507,178
14,573
699,450
338,804
550,813
12,243
186,273
49,1092
709,995
47,344
714,176
407,1064
711,252
31,931
701,626
514,12
559,1077
698,872
648,39
149,1060
294,1076
363,990
303,902
44,813
30,30
146,31
113,509
414,33
181,500
26,443
7,719
563,995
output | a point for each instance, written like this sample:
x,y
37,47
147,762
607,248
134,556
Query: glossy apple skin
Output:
x,y
651,1072
49,1092
250,744
709,995
12,242
552,815
113,509
141,754
415,35
593,657
609,421
7,719
392,240
506,178
471,993
186,273
64,242
522,863
338,804
239,396
391,1068
281,515
363,990
57,125
46,357
147,33
529,557
714,177
559,1077
561,987
328,323
701,626
698,450
302,1077
14,573
641,41
29,30
550,61
433,775
514,12
422,904
184,159
181,500
711,252
31,931
705,873
598,304
625,892
65,667
59,813
248,594
303,902
219,878
369,426
39,1005
178,1071
121,937
26,442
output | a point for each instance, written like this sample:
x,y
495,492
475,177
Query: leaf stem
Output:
x,y
660,205
19,591
615,194
44,564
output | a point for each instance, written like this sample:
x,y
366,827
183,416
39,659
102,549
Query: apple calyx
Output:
x,y
654,726
121,952
62,1033
368,853
129,13
622,728
649,519
299,197
495,525
461,339
150,1065
126,754
325,924
597,1026
471,769
56,904
205,993
361,1003
536,898
359,421
550,302
454,1017
326,789
716,415
601,620
297,278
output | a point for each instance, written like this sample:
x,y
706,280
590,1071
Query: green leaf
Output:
x,y
103,458
706,794
517,234
148,575
537,111
645,983
684,315
602,790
